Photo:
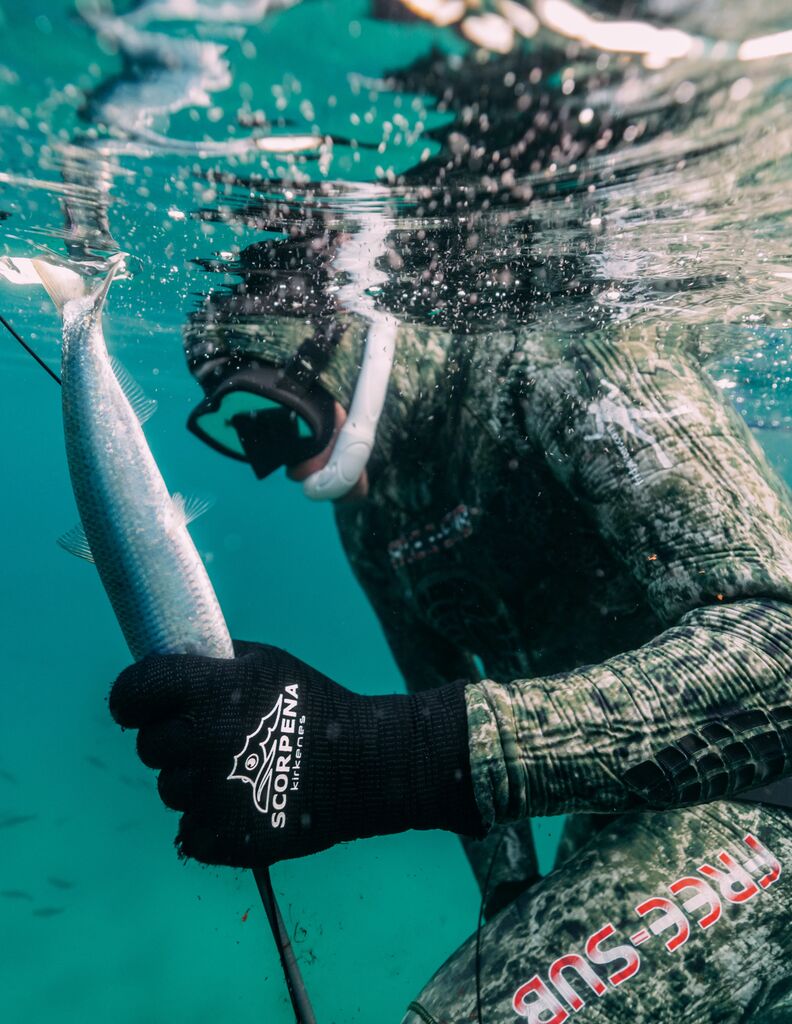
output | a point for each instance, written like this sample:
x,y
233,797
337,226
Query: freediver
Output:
x,y
582,513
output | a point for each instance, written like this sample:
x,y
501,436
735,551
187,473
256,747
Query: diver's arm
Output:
x,y
685,498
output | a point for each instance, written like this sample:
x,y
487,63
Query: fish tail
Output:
x,y
64,285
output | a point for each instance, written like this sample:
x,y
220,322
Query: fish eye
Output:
x,y
251,762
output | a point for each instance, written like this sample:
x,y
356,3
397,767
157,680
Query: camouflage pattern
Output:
x,y
734,970
676,485
608,540
582,525
589,524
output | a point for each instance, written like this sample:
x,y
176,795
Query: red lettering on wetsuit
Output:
x,y
598,955
545,1000
766,858
549,1002
574,961
672,917
735,883
703,895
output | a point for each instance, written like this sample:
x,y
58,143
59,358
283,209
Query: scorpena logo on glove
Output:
x,y
270,759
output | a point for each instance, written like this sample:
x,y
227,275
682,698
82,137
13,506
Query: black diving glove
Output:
x,y
269,759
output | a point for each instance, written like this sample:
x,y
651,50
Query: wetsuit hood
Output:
x,y
272,341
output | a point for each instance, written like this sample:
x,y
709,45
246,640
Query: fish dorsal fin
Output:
x,y
189,508
143,407
76,543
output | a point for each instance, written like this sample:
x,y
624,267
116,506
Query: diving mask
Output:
x,y
258,415
272,417
264,415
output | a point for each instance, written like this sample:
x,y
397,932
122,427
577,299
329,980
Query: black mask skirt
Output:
x,y
264,415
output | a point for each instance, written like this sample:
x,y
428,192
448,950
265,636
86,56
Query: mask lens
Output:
x,y
255,416
217,424
304,429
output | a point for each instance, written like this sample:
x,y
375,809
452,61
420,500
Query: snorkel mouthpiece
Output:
x,y
257,415
266,439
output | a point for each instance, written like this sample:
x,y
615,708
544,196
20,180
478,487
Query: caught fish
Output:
x,y
15,894
11,820
131,527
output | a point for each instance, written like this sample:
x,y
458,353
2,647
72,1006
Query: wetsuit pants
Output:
x,y
673,917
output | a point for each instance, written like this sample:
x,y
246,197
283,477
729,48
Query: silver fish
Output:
x,y
135,531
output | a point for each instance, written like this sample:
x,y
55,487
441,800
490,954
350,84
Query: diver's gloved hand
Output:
x,y
269,759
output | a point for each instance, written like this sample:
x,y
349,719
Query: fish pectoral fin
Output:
x,y
190,507
76,543
142,406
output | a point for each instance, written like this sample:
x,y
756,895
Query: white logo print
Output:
x,y
270,760
613,410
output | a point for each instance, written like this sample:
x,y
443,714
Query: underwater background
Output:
x,y
133,130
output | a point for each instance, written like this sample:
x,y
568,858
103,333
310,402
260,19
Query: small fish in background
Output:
x,y
10,820
60,883
245,915
96,762
15,894
48,911
135,782
6,776
126,826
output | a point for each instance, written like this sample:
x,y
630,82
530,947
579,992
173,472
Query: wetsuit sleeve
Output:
x,y
683,496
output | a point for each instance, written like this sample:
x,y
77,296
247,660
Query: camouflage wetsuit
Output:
x,y
593,522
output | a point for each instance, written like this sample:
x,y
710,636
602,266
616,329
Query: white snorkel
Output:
x,y
356,258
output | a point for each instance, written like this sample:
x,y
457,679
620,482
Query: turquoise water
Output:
x,y
142,937
99,920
